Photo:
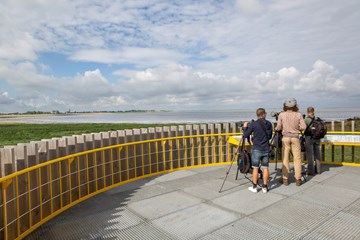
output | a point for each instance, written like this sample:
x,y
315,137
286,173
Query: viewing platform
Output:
x,y
164,182
186,204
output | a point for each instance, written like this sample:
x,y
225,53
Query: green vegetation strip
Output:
x,y
14,133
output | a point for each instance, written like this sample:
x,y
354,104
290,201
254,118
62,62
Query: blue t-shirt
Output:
x,y
260,139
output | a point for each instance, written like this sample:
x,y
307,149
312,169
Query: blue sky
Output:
x,y
236,54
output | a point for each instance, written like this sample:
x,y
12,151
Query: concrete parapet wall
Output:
x,y
23,155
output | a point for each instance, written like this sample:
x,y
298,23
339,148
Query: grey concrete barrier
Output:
x,y
14,158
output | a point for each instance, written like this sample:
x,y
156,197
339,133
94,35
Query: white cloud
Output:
x,y
323,77
250,6
180,86
5,99
177,53
21,47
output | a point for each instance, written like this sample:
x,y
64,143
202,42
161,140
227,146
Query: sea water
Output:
x,y
200,116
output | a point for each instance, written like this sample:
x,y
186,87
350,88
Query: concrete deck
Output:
x,y
187,205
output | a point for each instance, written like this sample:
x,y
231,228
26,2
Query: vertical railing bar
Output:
x,y
87,174
171,155
164,154
157,156
69,176
120,175
79,179
3,189
29,198
221,159
142,159
207,149
103,165
96,171
51,190
40,190
127,162
112,166
207,145
179,152
192,152
17,205
61,187
149,157
135,159
199,151
185,152
228,149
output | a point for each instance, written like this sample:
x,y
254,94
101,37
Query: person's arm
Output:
x,y
248,130
279,123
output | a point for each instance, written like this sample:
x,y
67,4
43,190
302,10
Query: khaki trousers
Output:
x,y
291,144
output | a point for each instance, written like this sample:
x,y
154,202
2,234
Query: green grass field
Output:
x,y
342,154
13,133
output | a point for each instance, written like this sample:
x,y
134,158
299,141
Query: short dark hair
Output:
x,y
260,112
294,108
310,109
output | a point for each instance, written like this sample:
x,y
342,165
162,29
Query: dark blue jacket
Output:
x,y
260,139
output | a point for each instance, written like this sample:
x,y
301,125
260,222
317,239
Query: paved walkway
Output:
x,y
187,205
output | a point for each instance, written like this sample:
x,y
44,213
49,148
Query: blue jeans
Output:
x,y
258,156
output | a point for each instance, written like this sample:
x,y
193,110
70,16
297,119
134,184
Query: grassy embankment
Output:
x,y
13,133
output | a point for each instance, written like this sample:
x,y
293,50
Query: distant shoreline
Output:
x,y
49,114
175,116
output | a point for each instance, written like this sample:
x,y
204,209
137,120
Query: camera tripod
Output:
x,y
239,150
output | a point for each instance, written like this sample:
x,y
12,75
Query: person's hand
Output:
x,y
246,124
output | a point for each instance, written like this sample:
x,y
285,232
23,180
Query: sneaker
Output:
x,y
265,189
253,189
298,182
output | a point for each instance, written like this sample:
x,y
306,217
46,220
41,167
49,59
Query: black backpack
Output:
x,y
244,162
318,128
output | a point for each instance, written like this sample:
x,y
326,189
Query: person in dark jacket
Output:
x,y
312,146
262,133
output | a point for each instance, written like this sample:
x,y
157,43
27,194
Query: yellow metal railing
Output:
x,y
33,196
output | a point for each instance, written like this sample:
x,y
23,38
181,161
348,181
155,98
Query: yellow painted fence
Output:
x,y
33,196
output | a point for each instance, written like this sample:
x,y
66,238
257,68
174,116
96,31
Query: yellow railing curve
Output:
x,y
33,196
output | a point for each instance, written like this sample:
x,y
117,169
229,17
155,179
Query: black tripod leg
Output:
x,y
241,143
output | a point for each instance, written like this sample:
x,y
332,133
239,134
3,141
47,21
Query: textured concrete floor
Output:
x,y
187,205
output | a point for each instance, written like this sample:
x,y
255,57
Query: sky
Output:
x,y
109,55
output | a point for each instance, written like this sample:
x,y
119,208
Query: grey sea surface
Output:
x,y
193,116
